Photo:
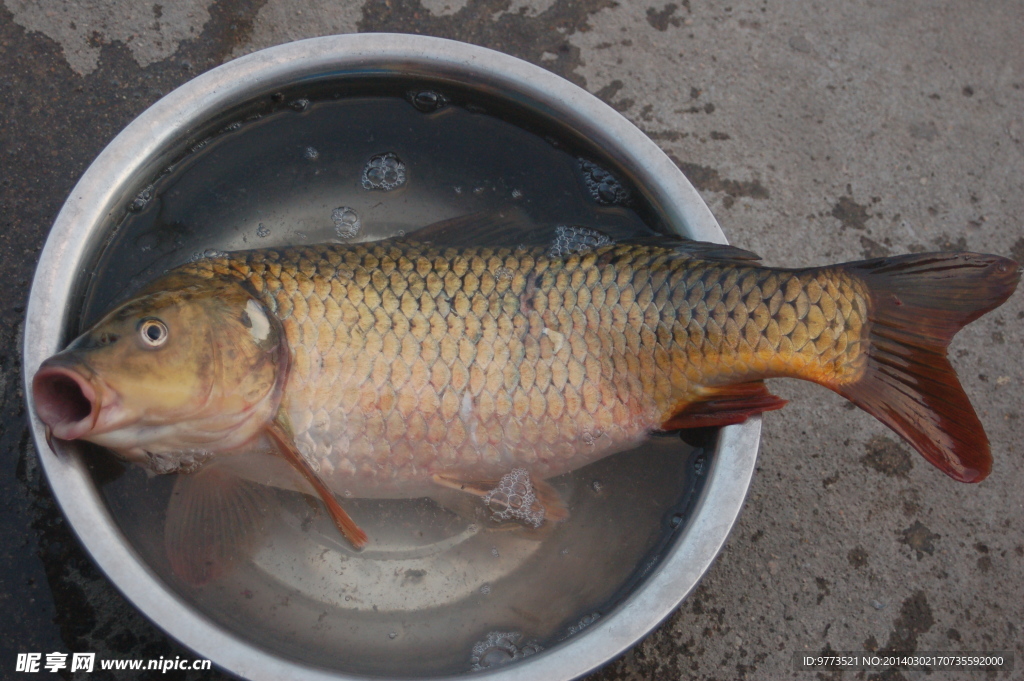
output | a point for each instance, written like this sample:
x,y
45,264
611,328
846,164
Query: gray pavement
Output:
x,y
818,132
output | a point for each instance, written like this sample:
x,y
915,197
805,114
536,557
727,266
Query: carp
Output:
x,y
396,367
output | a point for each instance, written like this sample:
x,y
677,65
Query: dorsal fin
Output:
x,y
703,250
720,252
511,227
505,228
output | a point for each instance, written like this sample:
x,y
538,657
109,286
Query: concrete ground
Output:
x,y
817,132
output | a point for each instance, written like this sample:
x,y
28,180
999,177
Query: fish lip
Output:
x,y
59,406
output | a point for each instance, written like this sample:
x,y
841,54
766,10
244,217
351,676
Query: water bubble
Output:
x,y
208,253
346,222
494,551
262,231
277,97
700,464
485,589
234,126
565,551
311,154
384,172
603,186
200,145
458,190
401,233
597,486
427,101
299,104
478,190
475,108
571,239
676,520
141,199
515,499
499,648
393,635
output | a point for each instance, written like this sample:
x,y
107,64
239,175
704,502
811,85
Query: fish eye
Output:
x,y
153,332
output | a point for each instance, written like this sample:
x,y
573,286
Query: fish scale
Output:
x,y
409,359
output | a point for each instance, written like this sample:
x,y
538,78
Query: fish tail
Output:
x,y
917,303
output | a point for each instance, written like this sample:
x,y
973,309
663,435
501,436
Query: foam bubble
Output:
x,y
346,222
573,239
584,622
499,648
262,231
603,186
141,199
384,172
515,499
311,154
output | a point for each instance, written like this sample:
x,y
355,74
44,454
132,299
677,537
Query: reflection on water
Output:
x,y
443,587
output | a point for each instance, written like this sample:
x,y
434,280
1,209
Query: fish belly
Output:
x,y
410,360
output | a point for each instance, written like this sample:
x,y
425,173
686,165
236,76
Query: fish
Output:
x,y
429,361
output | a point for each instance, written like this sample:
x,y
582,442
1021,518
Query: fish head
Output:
x,y
189,368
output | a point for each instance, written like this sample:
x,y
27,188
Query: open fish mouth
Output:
x,y
65,401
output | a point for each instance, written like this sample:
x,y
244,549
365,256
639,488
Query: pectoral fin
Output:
x,y
724,406
279,434
214,520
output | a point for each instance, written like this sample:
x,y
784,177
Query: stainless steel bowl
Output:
x,y
146,146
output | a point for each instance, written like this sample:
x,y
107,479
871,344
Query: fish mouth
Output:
x,y
65,401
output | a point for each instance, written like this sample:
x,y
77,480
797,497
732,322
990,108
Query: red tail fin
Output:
x,y
918,303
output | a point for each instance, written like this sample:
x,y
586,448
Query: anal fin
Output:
x,y
279,435
214,520
724,406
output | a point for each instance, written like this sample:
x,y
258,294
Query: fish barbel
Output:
x,y
389,368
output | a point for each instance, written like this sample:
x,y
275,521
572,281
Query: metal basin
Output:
x,y
80,242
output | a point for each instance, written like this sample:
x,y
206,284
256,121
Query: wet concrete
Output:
x,y
817,132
